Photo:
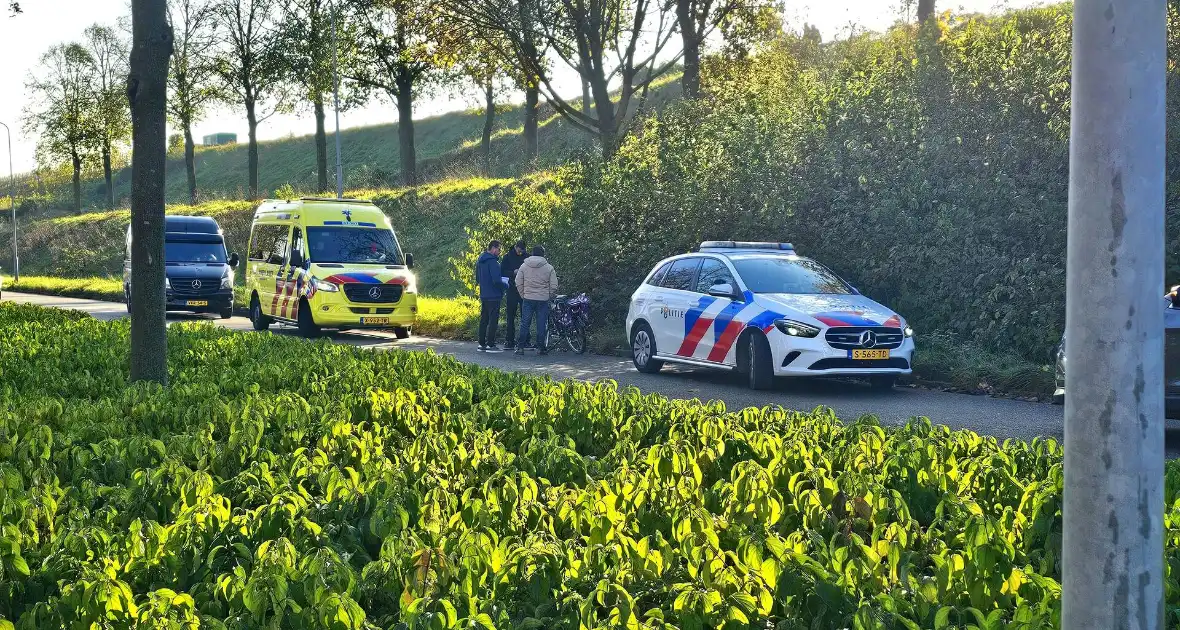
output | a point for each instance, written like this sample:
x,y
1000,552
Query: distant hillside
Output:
x,y
447,147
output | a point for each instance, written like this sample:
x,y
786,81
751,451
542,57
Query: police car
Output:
x,y
764,311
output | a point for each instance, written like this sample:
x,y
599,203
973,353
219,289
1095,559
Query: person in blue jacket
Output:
x,y
491,291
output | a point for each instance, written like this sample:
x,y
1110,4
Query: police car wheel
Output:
x,y
760,372
643,350
305,324
261,322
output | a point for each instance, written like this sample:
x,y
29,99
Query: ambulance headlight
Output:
x,y
227,281
325,286
411,283
793,328
909,332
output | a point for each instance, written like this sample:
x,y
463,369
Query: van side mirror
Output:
x,y
296,258
233,260
409,260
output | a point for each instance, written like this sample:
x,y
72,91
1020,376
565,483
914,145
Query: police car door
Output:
x,y
713,328
676,291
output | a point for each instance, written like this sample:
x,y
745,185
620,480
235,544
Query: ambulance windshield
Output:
x,y
350,245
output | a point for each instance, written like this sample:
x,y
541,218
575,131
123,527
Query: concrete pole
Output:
x,y
12,204
336,97
1112,561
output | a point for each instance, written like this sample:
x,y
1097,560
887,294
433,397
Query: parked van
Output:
x,y
329,263
198,273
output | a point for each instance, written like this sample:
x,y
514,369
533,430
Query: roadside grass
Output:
x,y
446,318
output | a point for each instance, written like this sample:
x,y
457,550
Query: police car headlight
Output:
x,y
328,287
909,332
167,283
227,281
796,329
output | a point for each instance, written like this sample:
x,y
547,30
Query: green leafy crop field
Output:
x,y
283,484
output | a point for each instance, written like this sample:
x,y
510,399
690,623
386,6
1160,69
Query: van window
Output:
x,y
372,246
268,243
192,252
296,241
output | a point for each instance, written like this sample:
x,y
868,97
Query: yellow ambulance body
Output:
x,y
328,263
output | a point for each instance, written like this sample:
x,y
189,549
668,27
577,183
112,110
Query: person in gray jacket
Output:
x,y
536,280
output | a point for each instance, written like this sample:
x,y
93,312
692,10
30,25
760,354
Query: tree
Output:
x,y
192,80
112,122
61,108
307,36
404,48
490,20
147,94
925,10
696,20
253,66
484,63
605,41
14,7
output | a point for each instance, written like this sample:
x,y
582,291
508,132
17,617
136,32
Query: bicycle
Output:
x,y
569,317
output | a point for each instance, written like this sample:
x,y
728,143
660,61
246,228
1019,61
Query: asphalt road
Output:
x,y
849,399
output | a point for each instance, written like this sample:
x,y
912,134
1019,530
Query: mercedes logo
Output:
x,y
375,292
868,339
196,284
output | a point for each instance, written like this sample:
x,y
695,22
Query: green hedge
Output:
x,y
280,483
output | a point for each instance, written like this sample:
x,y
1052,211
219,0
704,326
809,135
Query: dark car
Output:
x,y
1171,306
198,274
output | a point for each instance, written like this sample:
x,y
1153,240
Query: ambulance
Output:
x,y
329,263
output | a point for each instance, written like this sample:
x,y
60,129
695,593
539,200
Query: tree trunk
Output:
x,y
321,145
607,117
587,102
147,92
252,150
405,130
106,173
489,121
190,162
77,163
690,81
532,96
925,10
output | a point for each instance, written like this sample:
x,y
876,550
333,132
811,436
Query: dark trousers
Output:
x,y
531,309
489,321
511,309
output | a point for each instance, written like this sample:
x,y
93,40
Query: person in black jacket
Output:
x,y
491,291
512,262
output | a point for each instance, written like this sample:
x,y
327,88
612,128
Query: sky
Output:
x,y
47,22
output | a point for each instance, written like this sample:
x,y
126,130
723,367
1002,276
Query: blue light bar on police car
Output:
x,y
747,245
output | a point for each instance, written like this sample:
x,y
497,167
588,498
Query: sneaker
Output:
x,y
492,348
519,351
481,348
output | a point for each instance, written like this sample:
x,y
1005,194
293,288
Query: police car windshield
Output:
x,y
183,252
789,274
363,246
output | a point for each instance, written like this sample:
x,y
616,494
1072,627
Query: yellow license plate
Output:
x,y
869,355
197,303
375,321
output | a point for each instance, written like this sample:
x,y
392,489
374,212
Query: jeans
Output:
x,y
540,310
512,308
489,320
